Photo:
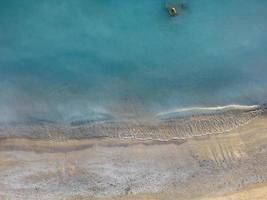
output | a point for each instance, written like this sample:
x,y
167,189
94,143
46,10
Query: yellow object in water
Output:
x,y
172,11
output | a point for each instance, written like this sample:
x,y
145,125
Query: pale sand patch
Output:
x,y
216,166
254,192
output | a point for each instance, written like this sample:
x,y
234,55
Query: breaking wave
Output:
x,y
206,110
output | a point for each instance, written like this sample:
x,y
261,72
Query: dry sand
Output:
x,y
231,165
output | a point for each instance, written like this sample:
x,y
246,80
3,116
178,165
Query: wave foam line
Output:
x,y
209,109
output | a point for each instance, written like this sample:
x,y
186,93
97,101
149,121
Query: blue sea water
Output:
x,y
64,60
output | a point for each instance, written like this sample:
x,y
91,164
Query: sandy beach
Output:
x,y
230,165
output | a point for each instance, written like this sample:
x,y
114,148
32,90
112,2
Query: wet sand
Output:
x,y
232,165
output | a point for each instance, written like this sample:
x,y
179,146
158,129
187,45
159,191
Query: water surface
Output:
x,y
69,60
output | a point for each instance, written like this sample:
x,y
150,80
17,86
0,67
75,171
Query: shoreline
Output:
x,y
165,129
40,145
199,168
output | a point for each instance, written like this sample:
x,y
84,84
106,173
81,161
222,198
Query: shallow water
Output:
x,y
75,60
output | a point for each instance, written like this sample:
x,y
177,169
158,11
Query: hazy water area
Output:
x,y
87,60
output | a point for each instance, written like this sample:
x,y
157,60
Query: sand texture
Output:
x,y
230,165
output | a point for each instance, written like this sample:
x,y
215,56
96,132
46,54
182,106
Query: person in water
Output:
x,y
174,9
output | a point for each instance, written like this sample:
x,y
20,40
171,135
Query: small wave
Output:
x,y
208,110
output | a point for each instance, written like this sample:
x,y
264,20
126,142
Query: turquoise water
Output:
x,y
65,60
